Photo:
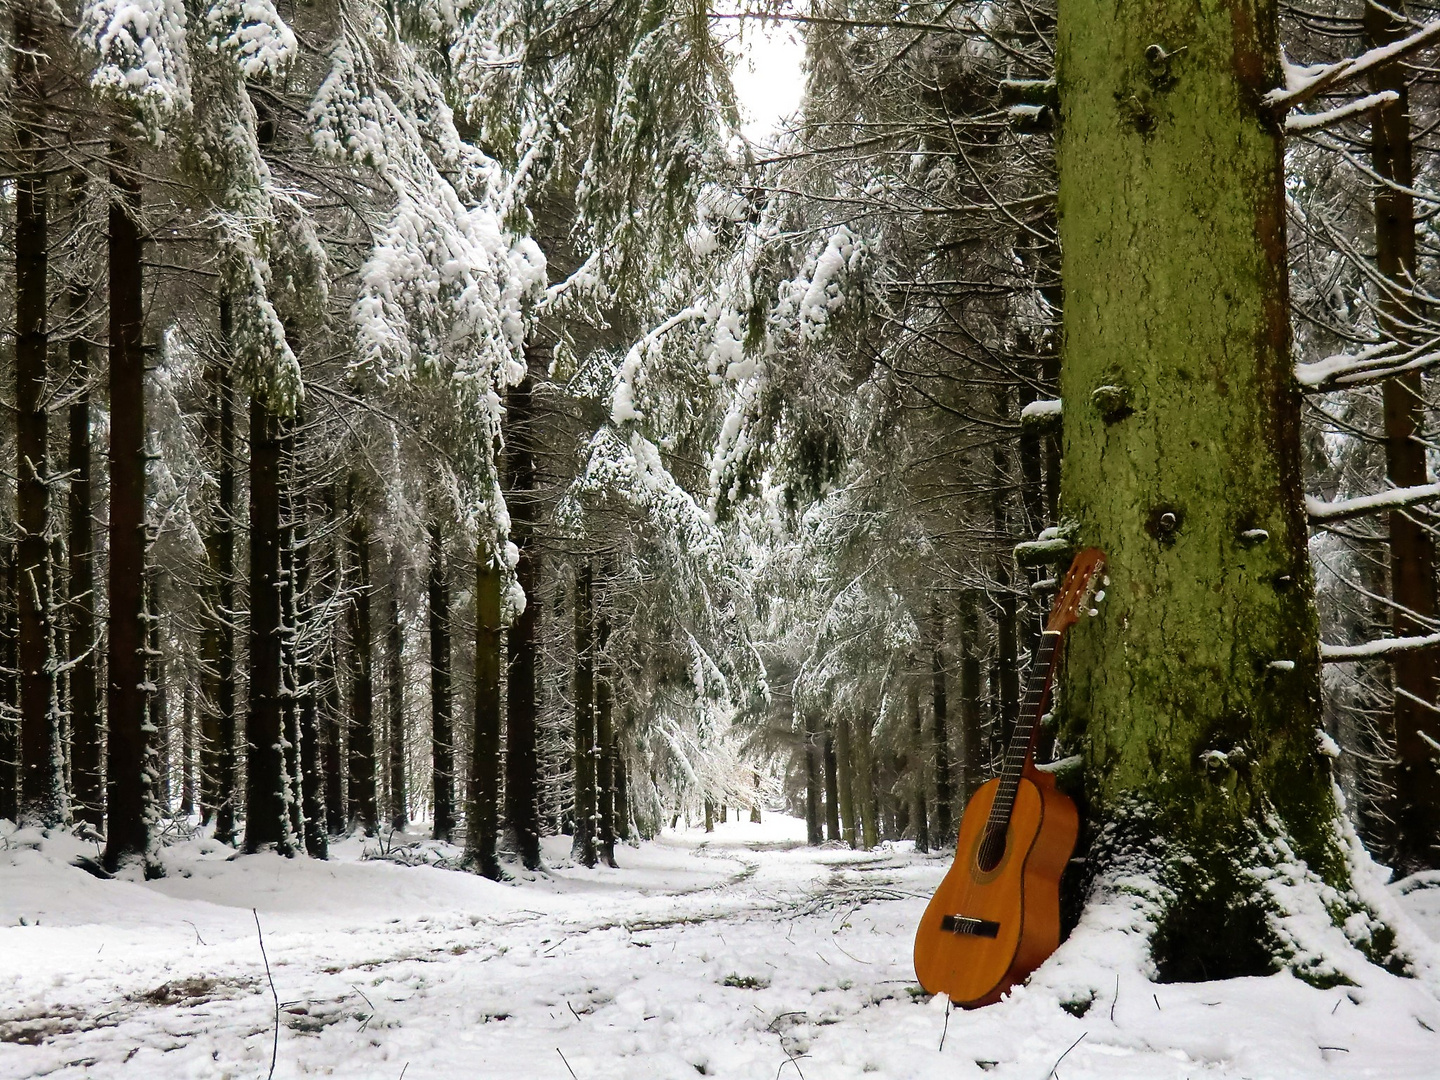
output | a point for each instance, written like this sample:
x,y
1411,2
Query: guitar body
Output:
x,y
1015,906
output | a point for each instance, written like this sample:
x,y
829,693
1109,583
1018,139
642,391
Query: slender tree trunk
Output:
x,y
364,808
622,778
187,748
327,677
87,776
583,847
266,811
845,772
1182,439
918,772
709,816
604,738
522,809
157,705
940,734
1415,809
288,635
832,791
42,795
865,783
442,736
811,748
129,796
9,690
395,698
973,759
312,749
217,645
482,817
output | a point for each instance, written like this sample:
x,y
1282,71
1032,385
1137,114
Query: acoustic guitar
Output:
x,y
996,915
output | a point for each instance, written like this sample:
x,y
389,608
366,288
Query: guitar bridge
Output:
x,y
968,925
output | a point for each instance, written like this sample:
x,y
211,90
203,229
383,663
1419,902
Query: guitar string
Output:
x,y
1019,747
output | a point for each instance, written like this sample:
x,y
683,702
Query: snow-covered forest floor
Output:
x,y
740,954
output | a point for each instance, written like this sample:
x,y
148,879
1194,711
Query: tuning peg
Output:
x,y
1094,611
1105,580
1100,596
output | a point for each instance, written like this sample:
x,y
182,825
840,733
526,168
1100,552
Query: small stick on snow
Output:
x,y
1116,998
1062,1056
567,1064
1157,1001
572,1011
946,1029
791,1061
275,1044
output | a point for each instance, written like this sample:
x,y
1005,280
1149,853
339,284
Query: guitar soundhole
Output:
x,y
992,848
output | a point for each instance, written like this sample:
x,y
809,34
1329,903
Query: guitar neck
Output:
x,y
1032,708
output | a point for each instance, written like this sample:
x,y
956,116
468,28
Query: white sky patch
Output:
x,y
769,75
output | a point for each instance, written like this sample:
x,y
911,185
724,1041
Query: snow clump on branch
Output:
x,y
141,57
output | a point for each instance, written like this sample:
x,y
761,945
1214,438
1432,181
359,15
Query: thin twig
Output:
x,y
567,1064
1062,1056
1116,998
275,1044
946,1029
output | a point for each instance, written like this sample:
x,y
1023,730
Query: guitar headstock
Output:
x,y
1081,590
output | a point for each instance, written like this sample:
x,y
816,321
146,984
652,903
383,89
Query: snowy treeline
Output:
x,y
439,409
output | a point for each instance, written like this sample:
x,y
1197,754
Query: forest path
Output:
x,y
739,954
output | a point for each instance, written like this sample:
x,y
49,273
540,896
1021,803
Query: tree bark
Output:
x,y
364,807
9,690
920,789
327,677
395,700
482,818
86,774
863,783
845,771
973,759
288,635
158,705
810,747
217,644
187,748
267,818
832,791
604,739
129,795
583,847
312,772
442,736
1414,812
42,794
940,735
1181,432
522,808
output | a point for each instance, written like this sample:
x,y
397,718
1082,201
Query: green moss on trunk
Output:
x,y
1197,692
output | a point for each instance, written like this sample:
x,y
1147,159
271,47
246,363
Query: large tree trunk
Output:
x,y
364,804
217,643
1414,812
442,735
266,812
1195,694
482,816
522,808
863,782
395,700
129,795
86,775
845,769
42,793
583,846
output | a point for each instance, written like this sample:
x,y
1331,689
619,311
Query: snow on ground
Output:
x,y
738,954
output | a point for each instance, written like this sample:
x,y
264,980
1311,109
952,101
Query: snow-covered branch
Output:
x,y
1304,82
1314,121
1375,650
1342,509
1369,365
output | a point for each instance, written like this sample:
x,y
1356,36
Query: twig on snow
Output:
x,y
1062,1056
1116,998
567,1064
275,1044
789,1060
946,1029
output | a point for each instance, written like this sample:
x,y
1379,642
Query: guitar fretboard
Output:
x,y
1032,707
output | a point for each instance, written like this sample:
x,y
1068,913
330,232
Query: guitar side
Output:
x,y
1019,899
